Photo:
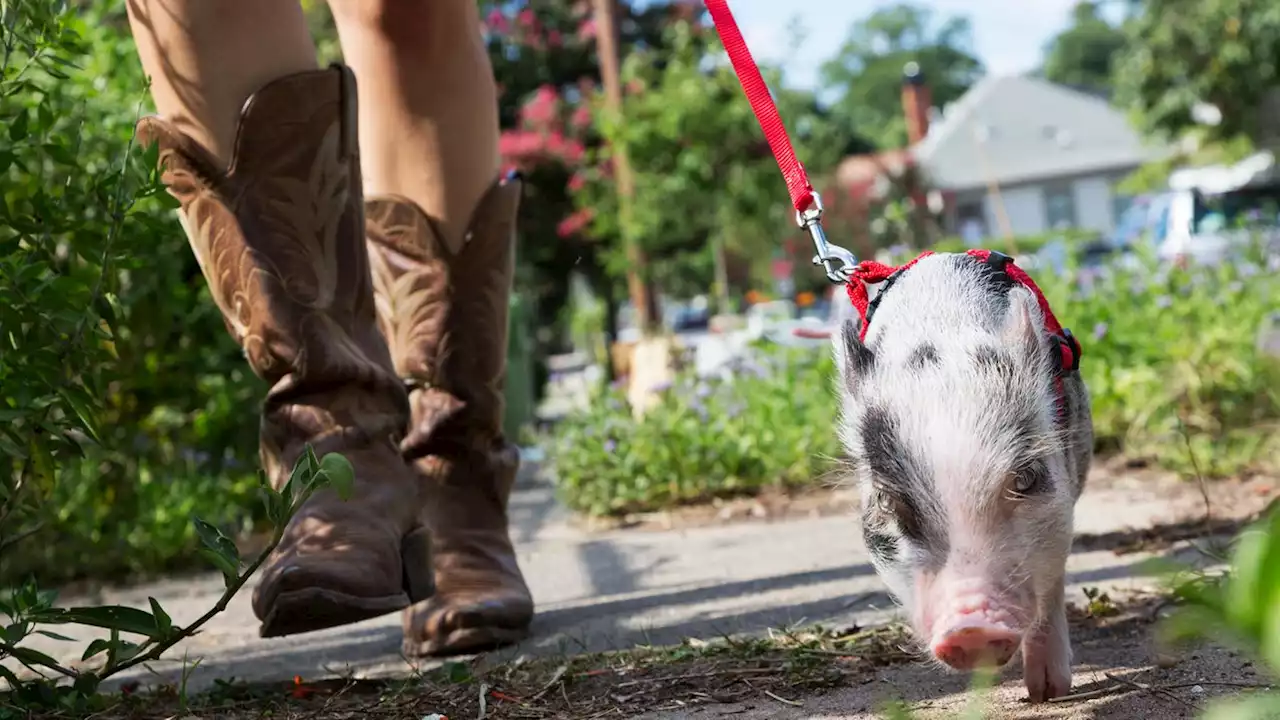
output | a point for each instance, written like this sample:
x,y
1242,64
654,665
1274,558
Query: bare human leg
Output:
x,y
260,148
441,228
205,58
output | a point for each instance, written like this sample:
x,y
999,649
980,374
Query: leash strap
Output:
x,y
804,199
762,104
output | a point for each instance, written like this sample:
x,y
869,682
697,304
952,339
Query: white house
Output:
x,y
1030,155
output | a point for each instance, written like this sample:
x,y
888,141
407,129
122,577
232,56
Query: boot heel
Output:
x,y
419,577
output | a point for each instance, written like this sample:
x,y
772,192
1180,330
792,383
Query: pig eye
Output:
x,y
1031,480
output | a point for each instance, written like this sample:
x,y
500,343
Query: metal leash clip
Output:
x,y
828,254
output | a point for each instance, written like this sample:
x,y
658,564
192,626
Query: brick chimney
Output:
x,y
916,102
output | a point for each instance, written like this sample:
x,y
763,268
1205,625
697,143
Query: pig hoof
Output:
x,y
1046,660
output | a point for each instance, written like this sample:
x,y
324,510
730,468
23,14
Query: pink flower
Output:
x,y
587,29
567,149
574,224
554,39
581,117
576,182
541,109
497,22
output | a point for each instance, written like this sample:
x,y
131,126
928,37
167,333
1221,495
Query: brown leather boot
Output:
x,y
444,312
279,234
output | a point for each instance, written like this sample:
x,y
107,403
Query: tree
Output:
x,y
868,68
544,59
1082,55
706,182
1184,54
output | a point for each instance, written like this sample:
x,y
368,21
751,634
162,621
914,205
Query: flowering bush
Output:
x,y
1170,355
770,424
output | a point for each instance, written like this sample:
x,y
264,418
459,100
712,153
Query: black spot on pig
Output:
x,y
858,358
992,281
895,470
880,544
923,356
993,277
990,359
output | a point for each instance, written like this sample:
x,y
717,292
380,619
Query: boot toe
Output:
x,y
456,625
306,592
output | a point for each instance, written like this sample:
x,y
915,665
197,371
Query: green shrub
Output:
x,y
769,425
1170,358
1022,244
1168,354
124,405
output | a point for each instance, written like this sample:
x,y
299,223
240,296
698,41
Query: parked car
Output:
x,y
1212,215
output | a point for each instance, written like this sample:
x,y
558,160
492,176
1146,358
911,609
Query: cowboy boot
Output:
x,y
444,312
279,234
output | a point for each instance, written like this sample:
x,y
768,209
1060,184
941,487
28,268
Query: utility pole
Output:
x,y
607,48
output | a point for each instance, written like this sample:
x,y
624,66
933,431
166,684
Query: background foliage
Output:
x,y
125,408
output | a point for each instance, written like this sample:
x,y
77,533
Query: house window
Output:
x,y
971,223
1059,207
1120,204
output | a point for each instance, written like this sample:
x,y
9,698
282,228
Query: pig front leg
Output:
x,y
1046,651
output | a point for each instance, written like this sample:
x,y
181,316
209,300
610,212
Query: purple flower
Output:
x,y
1273,264
610,445
1164,301
703,390
1248,270
1099,331
660,387
1236,287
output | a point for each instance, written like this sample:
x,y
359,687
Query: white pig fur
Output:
x,y
943,410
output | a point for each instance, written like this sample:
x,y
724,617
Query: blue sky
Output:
x,y
1009,35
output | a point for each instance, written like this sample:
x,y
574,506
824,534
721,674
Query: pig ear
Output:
x,y
1023,322
853,358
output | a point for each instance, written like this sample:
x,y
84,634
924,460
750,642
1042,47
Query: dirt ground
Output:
x,y
839,674
1122,671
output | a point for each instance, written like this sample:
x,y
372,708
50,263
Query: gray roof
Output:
x,y
1033,130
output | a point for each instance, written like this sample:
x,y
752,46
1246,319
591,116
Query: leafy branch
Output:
x,y
28,608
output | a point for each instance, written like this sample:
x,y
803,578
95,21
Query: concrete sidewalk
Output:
x,y
621,588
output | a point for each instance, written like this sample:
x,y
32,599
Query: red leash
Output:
x,y
762,105
805,200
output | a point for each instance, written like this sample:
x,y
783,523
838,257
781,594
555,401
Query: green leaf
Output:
x,y
456,673
219,549
337,471
97,647
32,658
18,128
55,636
1256,565
164,624
81,403
110,617
8,676
87,684
230,570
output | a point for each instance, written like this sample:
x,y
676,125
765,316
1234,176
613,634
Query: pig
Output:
x,y
968,467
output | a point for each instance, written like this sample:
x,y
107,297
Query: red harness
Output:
x,y
871,272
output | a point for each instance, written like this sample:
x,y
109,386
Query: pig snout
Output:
x,y
975,628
